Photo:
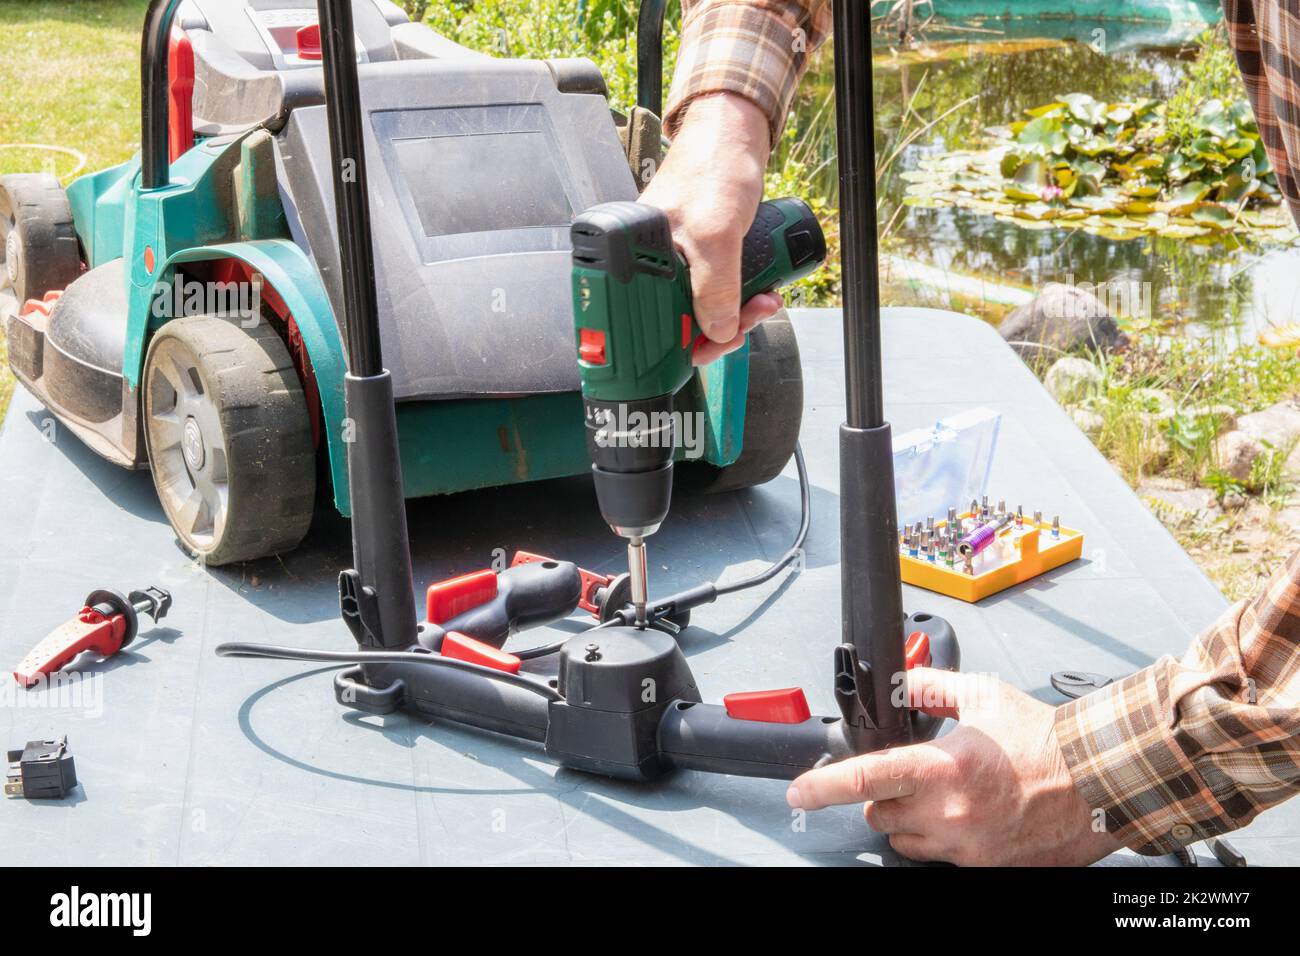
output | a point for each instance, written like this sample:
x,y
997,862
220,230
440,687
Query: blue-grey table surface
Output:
x,y
186,758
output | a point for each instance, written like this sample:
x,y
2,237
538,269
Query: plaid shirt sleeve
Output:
x,y
1185,750
1265,35
755,48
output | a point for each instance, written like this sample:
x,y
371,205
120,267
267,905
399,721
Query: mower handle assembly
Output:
x,y
615,699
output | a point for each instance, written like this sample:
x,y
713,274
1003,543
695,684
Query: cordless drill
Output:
x,y
636,333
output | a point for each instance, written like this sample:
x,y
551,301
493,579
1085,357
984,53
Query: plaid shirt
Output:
x,y
1181,750
1184,750
756,48
1266,37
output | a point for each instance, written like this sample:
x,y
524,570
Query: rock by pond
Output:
x,y
1062,318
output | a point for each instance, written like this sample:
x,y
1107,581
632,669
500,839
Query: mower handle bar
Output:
x,y
154,77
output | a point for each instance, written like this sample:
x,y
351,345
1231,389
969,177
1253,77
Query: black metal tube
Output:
x,y
155,160
870,579
381,551
855,133
351,190
650,56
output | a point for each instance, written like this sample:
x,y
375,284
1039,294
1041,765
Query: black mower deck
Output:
x,y
187,758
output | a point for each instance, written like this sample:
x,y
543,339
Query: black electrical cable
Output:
x,y
382,657
545,650
801,536
796,549
532,653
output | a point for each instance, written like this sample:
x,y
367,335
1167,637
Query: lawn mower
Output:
x,y
477,166
619,698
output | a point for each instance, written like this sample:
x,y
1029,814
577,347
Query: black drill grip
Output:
x,y
528,595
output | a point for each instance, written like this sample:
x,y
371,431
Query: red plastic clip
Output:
x,y
591,581
88,631
180,96
461,647
916,652
785,706
446,599
309,44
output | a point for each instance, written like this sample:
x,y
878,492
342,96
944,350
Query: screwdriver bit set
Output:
x,y
984,549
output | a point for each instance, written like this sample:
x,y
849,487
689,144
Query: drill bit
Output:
x,y
636,566
982,537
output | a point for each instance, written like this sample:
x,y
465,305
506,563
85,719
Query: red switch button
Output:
x,y
462,648
591,346
916,652
447,599
786,706
309,42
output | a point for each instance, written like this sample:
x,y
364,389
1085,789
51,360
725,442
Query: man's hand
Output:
x,y
994,792
710,185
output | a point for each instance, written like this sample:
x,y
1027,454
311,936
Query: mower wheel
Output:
x,y
772,416
229,439
38,244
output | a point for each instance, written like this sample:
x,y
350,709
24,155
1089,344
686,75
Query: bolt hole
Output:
x,y
921,618
553,682
550,565
830,720
685,704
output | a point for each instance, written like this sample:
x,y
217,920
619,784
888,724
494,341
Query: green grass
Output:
x,y
69,77
1200,376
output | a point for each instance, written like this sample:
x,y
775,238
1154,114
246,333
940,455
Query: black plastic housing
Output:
x,y
43,770
617,683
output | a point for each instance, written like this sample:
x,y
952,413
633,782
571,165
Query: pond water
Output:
x,y
989,79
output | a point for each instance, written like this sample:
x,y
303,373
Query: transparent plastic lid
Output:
x,y
944,466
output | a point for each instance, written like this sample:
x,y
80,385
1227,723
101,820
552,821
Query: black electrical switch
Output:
x,y
43,770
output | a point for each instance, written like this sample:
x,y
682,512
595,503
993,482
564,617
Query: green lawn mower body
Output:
x,y
477,166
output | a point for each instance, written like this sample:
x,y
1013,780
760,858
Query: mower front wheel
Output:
x,y
229,439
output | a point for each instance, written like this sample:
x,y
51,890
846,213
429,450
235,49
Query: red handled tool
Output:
x,y
106,624
471,616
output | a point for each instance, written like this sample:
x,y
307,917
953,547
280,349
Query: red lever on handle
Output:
x,y
88,631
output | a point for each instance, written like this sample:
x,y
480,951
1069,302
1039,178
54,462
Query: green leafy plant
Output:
x,y
1081,153
1223,485
1192,168
1268,475
1191,438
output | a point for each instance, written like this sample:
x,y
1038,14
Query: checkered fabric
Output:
x,y
1265,35
1185,750
755,48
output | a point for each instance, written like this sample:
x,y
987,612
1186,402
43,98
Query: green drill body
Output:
x,y
635,328
636,300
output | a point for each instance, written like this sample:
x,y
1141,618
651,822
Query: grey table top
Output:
x,y
187,758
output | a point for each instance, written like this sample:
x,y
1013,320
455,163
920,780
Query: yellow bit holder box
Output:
x,y
1036,552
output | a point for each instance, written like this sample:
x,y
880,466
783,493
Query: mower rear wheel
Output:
x,y
229,439
774,410
38,243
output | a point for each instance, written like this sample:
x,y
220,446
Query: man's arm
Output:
x,y
1185,750
737,69
1178,752
756,49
